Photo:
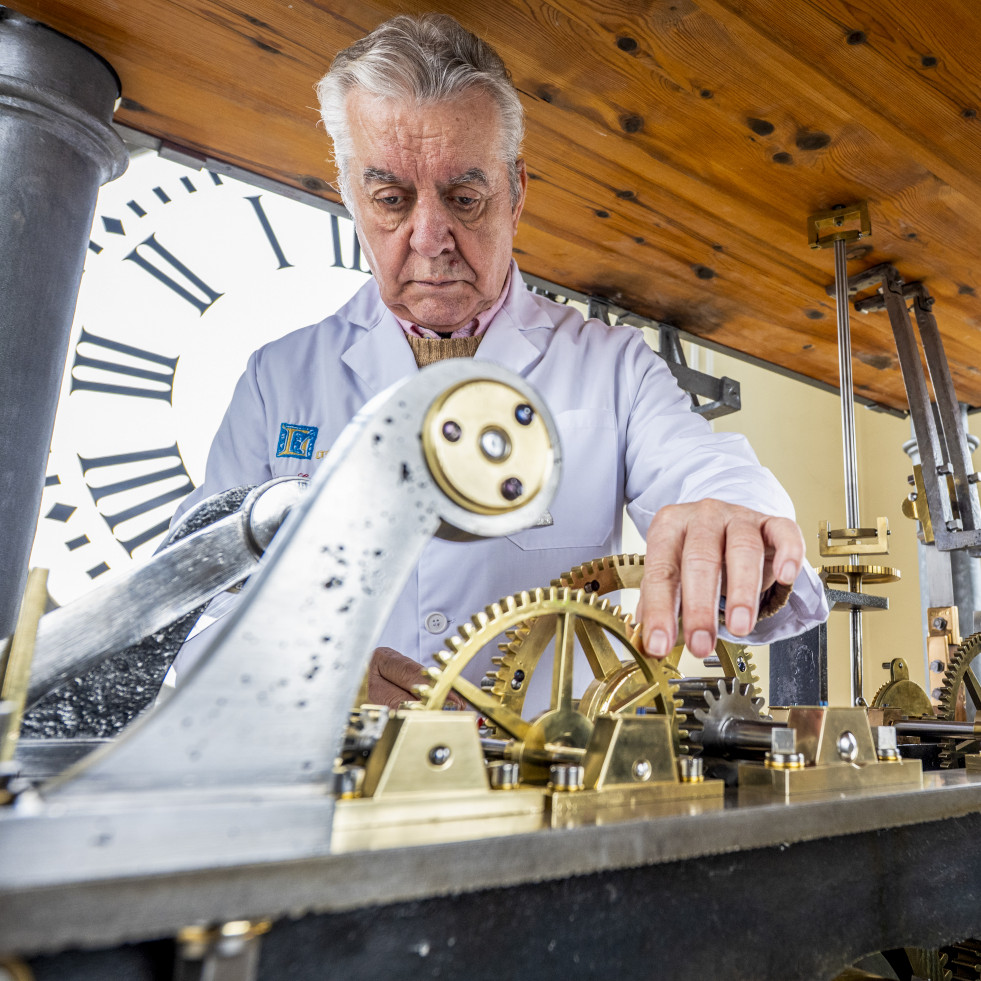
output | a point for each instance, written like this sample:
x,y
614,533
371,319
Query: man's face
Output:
x,y
432,205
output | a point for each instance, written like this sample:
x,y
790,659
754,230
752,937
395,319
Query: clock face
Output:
x,y
187,272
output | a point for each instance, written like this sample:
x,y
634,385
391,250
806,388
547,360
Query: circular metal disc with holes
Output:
x,y
485,447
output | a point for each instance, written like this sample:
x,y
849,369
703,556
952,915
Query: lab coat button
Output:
x,y
436,623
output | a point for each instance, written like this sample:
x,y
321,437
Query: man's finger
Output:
x,y
701,579
660,589
745,557
787,542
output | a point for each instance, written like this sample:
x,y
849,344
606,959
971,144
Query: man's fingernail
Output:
x,y
657,643
701,643
788,572
741,620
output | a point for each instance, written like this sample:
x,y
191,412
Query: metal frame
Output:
x,y
940,436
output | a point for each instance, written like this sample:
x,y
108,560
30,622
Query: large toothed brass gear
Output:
x,y
958,676
561,614
615,680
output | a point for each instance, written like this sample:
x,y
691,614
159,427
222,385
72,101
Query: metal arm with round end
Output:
x,y
236,766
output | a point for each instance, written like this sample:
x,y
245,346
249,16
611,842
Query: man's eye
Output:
x,y
390,200
465,202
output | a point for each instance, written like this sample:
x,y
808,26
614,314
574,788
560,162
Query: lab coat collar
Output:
x,y
506,341
381,356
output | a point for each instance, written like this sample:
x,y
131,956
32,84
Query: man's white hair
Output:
x,y
424,60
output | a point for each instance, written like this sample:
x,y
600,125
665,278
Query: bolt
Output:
x,y
440,755
511,489
939,623
691,769
566,776
938,667
847,746
642,770
451,431
494,444
524,413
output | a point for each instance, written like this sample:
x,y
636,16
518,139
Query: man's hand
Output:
x,y
697,552
392,676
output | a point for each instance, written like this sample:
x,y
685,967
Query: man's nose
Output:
x,y
432,232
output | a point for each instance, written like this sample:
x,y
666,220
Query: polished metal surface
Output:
x,y
56,149
73,639
236,767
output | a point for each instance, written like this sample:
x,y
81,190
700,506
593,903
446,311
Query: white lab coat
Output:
x,y
627,431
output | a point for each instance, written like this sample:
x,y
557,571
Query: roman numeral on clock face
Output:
x,y
205,295
335,237
144,490
107,373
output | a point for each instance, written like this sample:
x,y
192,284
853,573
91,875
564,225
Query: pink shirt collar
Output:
x,y
475,328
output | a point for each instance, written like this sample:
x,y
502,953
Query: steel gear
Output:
x,y
615,680
563,614
958,676
727,702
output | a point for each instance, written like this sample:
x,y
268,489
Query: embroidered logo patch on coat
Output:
x,y
296,440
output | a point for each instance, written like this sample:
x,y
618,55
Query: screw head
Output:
x,y
741,663
847,746
511,489
451,431
524,414
939,623
440,755
494,443
642,770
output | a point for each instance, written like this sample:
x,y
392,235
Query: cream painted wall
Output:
x,y
795,430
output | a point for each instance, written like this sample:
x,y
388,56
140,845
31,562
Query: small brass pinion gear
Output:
x,y
567,614
958,674
613,688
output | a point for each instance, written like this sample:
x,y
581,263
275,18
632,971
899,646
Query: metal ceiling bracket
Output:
x,y
948,476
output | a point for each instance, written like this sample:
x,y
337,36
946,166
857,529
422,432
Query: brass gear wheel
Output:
x,y
615,680
959,674
902,694
563,614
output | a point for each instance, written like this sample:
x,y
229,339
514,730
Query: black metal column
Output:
x,y
56,150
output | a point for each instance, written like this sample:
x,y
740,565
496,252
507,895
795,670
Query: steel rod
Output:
x,y
852,517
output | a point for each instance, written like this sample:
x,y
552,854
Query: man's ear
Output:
x,y
523,183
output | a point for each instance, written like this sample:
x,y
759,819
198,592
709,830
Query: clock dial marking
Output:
x,y
146,483
82,361
143,368
147,266
61,512
260,212
335,237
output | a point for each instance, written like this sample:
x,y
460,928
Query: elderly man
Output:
x,y
427,131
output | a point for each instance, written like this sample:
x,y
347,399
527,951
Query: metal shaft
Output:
x,y
852,517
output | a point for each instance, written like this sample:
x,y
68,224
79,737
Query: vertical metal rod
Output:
x,y
850,454
847,388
